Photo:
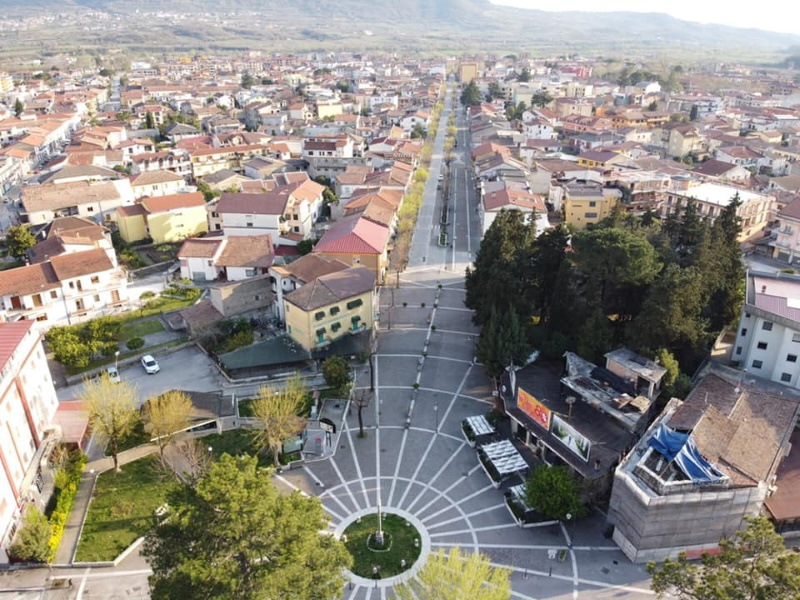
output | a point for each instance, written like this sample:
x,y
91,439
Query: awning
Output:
x,y
680,448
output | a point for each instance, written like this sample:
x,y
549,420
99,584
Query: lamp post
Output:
x,y
116,360
569,535
436,412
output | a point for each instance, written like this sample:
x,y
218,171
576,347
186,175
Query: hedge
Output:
x,y
68,480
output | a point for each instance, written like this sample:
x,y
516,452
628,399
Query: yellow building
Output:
x,y
467,72
331,307
588,202
164,219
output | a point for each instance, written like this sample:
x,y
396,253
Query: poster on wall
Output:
x,y
570,437
533,408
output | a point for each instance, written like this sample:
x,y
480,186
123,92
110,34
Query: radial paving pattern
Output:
x,y
416,461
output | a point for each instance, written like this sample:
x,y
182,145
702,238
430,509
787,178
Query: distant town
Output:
x,y
526,321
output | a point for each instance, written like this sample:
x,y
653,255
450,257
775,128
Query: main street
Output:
x,y
413,457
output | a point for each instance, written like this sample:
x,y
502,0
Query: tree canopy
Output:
x,y
277,409
753,565
234,536
112,409
471,95
553,492
653,285
455,576
19,240
167,415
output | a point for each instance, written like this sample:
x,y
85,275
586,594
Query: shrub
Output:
x,y
31,543
148,295
134,343
238,340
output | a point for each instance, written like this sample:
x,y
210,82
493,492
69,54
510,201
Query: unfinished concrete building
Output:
x,y
703,466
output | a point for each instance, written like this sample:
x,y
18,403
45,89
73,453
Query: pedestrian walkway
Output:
x,y
69,541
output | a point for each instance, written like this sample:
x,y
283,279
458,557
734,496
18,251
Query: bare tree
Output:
x,y
278,411
167,415
112,409
188,459
361,399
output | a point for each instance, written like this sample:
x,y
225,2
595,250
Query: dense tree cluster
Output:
x,y
662,289
471,95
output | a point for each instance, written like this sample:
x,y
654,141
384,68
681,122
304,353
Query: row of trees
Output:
x,y
663,289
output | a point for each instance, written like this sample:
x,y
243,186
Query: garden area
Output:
x,y
90,345
144,254
123,508
401,543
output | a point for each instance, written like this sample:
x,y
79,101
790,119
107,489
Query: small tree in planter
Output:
x,y
336,373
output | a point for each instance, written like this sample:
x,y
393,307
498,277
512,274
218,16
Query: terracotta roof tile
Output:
x,y
354,235
247,251
173,202
331,288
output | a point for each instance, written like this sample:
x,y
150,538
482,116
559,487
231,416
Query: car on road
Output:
x,y
150,365
113,374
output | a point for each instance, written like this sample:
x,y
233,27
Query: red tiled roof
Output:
x,y
11,334
354,235
173,202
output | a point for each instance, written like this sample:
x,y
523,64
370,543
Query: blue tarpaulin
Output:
x,y
680,448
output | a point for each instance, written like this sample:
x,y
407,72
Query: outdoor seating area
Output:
x,y
476,426
501,460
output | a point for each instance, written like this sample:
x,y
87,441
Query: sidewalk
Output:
x,y
69,542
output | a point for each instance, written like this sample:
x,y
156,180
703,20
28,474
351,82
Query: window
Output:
x,y
95,279
90,209
591,215
334,311
54,294
757,364
296,229
747,315
336,327
786,377
356,322
210,263
356,260
97,297
738,349
37,299
592,204
744,331
767,326
250,272
319,315
791,358
796,337
354,304
214,215
42,317
289,329
762,345
218,227
72,285
249,224
321,331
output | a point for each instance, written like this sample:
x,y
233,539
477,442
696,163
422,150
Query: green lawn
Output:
x,y
140,329
400,544
136,437
235,442
122,509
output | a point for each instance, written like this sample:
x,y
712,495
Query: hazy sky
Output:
x,y
784,17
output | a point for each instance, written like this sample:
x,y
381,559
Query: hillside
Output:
x,y
446,25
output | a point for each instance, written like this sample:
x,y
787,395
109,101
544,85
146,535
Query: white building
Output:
x,y
27,405
229,259
712,198
768,338
63,290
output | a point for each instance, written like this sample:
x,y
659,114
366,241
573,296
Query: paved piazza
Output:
x,y
427,469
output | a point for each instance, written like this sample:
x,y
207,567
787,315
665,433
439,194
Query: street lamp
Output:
x,y
116,360
436,412
569,535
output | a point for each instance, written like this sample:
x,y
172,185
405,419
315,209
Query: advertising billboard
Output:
x,y
533,408
570,437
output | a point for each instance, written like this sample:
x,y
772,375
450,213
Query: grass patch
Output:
x,y
140,329
400,536
122,509
236,442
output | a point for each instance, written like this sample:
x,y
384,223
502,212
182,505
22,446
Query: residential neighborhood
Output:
x,y
538,309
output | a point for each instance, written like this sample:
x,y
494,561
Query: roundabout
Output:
x,y
405,547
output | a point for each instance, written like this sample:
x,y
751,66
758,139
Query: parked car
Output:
x,y
113,374
150,365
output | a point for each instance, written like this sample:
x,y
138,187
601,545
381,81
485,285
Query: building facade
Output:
x,y
28,403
